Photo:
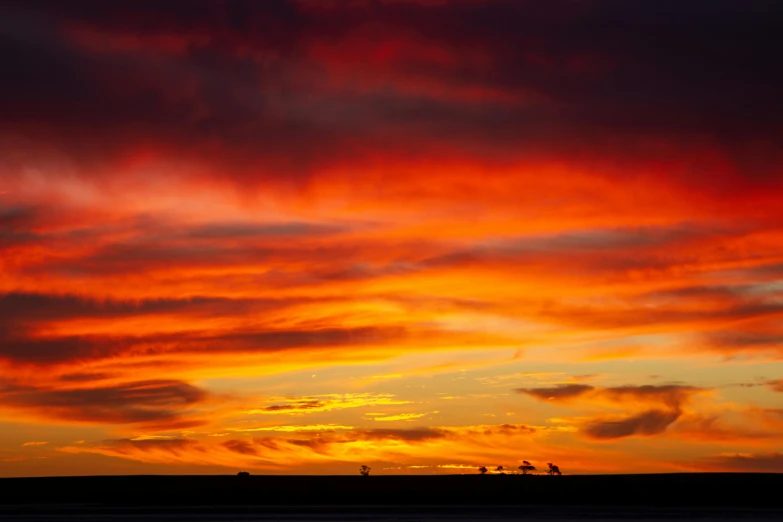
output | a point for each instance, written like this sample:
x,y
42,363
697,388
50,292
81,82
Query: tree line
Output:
x,y
526,468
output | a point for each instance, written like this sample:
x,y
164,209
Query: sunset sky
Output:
x,y
301,236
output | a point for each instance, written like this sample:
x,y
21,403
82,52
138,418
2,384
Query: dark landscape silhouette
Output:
x,y
260,238
755,490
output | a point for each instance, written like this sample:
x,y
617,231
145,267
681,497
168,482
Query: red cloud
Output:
x,y
206,189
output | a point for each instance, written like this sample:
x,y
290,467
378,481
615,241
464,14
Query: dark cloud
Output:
x,y
768,463
410,435
267,446
235,83
637,312
701,291
269,443
157,247
668,398
149,253
22,314
108,245
242,447
13,217
230,231
180,448
18,347
305,405
604,246
78,348
776,385
503,429
18,308
20,340
84,377
650,422
743,341
159,402
670,395
559,392
17,226
615,255
775,412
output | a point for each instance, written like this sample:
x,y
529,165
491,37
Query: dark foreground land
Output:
x,y
724,497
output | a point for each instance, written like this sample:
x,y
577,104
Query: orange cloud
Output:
x,y
758,463
208,226
328,443
155,403
776,385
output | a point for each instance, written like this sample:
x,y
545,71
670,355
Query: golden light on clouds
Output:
x,y
417,230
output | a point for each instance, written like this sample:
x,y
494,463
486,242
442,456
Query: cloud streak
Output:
x,y
217,217
155,402
667,400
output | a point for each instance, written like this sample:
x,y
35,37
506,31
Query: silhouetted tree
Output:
x,y
553,470
500,469
243,474
364,471
526,467
483,470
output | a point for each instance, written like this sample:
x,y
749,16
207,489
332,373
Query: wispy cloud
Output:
x,y
328,402
298,427
663,405
400,416
205,205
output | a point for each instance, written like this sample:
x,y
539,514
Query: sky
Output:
x,y
298,237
